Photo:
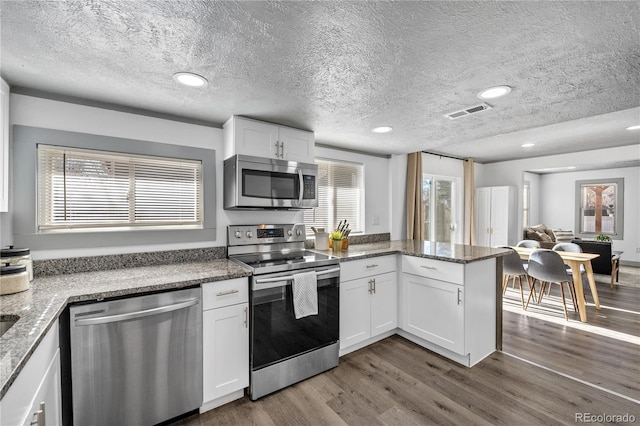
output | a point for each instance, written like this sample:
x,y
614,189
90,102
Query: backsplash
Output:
x,y
357,239
127,260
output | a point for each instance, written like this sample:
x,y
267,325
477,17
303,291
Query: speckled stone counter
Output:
x,y
40,306
447,252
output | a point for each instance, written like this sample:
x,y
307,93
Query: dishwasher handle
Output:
x,y
138,314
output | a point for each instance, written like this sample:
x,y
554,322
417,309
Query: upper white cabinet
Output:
x,y
368,300
496,216
4,146
252,137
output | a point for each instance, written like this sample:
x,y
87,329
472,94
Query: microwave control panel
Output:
x,y
309,187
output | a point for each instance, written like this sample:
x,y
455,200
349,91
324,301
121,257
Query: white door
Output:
x,y
500,216
434,311
225,350
298,145
442,208
355,312
483,217
256,138
384,303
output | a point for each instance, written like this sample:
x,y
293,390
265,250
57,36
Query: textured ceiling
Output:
x,y
341,68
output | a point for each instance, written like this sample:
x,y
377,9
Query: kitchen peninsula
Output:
x,y
429,277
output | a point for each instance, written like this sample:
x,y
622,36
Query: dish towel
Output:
x,y
305,294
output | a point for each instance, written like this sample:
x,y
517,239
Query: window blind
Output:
x,y
340,196
79,189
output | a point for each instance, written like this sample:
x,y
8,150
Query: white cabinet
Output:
x,y
368,300
257,138
225,344
4,146
449,308
35,396
496,216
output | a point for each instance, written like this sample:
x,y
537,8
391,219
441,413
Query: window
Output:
x,y
526,201
599,207
80,189
340,196
440,196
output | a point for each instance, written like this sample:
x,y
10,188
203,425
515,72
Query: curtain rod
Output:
x,y
446,156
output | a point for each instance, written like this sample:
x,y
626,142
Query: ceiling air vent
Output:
x,y
468,111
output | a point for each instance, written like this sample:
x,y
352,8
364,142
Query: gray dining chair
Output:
x,y
512,269
547,267
573,248
528,244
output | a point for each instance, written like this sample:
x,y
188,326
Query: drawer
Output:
x,y
436,269
367,267
225,293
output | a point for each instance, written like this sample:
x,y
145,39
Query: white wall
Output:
x,y
557,190
534,197
38,112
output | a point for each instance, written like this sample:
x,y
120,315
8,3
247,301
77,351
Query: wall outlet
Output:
x,y
376,220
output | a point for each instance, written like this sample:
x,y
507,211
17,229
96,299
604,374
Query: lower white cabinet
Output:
x,y
434,311
35,396
368,300
449,308
225,344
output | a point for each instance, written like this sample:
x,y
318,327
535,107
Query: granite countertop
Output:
x,y
447,252
40,306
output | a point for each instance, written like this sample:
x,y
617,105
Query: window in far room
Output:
x,y
340,196
442,207
599,207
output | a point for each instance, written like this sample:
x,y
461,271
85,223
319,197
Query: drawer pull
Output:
x,y
226,293
428,267
372,266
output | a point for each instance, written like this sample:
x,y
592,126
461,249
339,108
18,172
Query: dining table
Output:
x,y
574,261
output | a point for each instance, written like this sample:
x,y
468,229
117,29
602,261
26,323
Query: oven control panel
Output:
x,y
238,235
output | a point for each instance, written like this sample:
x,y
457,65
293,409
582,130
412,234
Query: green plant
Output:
x,y
336,235
603,237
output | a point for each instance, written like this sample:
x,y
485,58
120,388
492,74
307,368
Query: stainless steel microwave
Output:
x,y
264,183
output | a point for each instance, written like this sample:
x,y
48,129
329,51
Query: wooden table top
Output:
x,y
524,252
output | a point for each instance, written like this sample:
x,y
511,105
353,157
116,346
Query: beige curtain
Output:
x,y
415,204
469,203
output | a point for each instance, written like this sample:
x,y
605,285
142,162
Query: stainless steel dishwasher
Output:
x,y
136,361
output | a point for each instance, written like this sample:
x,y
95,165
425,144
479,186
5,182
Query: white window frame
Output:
x,y
332,218
145,192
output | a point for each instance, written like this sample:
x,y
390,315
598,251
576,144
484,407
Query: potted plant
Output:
x,y
603,237
336,239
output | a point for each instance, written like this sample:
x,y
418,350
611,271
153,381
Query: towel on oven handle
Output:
x,y
305,294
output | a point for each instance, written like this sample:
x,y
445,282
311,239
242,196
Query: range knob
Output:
x,y
289,232
298,232
249,234
238,234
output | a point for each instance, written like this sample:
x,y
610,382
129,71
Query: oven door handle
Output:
x,y
290,277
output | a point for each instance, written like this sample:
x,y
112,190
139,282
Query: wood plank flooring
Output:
x,y
395,382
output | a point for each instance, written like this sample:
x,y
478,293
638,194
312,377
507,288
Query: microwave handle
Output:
x,y
300,186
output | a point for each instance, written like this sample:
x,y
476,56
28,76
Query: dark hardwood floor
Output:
x,y
395,382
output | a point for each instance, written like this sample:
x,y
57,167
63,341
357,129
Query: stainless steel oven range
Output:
x,y
285,350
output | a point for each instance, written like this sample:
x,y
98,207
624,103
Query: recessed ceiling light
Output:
x,y
494,92
382,129
571,167
190,79
634,127
528,145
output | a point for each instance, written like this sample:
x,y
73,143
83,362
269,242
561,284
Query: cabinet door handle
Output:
x,y
277,149
370,282
373,265
39,417
226,293
433,268
246,317
459,296
374,285
281,149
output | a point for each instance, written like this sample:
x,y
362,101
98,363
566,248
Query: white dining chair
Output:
x,y
547,267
